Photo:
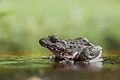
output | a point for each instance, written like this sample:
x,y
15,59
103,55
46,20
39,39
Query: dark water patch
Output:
x,y
50,74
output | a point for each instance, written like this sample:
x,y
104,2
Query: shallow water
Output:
x,y
33,68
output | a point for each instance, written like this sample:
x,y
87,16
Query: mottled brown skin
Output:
x,y
79,49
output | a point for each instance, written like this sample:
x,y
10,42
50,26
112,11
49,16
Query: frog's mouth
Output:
x,y
56,50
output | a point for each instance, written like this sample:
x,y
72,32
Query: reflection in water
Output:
x,y
64,71
93,66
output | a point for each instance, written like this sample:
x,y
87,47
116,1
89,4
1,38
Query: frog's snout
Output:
x,y
41,42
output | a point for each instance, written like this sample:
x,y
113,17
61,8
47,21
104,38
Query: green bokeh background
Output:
x,y
24,22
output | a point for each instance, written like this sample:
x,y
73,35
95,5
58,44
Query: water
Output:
x,y
33,68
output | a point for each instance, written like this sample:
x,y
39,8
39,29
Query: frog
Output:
x,y
71,50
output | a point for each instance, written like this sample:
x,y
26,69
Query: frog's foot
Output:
x,y
49,57
45,57
68,61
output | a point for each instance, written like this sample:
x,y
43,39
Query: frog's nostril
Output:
x,y
40,40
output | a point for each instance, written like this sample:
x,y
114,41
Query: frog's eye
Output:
x,y
84,40
53,39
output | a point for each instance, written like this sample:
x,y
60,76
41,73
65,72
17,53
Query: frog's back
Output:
x,y
73,45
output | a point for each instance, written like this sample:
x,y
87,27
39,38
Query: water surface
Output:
x,y
34,68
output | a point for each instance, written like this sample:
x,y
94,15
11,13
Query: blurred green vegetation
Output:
x,y
24,22
24,62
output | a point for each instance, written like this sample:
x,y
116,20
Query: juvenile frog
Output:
x,y
75,50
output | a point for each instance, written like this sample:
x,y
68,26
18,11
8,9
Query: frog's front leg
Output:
x,y
70,58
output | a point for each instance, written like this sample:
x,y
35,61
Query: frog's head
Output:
x,y
53,43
